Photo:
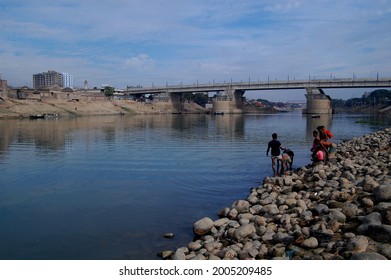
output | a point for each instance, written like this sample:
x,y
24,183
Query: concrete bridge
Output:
x,y
229,96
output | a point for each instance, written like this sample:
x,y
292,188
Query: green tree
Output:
x,y
109,91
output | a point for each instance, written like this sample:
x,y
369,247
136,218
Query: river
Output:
x,y
109,188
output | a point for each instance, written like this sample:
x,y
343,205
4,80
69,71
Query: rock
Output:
x,y
194,246
179,254
372,218
221,222
382,193
369,183
169,235
367,256
321,209
244,231
339,210
203,226
310,243
367,202
350,210
271,209
241,205
337,215
384,249
358,243
166,254
381,233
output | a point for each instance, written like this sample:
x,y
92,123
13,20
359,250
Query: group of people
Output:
x,y
282,158
285,158
322,148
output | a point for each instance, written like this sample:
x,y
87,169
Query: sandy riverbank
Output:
x,y
324,212
13,108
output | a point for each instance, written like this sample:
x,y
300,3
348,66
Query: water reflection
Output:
x,y
314,122
109,187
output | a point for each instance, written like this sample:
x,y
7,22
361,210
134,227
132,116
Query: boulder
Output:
x,y
203,226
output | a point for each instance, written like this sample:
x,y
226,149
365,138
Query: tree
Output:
x,y
109,91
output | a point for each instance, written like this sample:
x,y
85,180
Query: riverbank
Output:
x,y
325,212
15,108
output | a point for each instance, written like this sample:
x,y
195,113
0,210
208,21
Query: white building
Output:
x,y
66,80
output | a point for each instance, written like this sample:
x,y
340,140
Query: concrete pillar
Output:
x,y
317,102
229,102
176,102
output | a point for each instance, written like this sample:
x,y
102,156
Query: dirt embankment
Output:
x,y
12,108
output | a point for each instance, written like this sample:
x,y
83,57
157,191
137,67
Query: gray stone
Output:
x,y
358,243
321,209
310,243
221,222
348,175
381,233
367,256
372,218
369,183
241,205
382,193
337,215
203,226
179,254
350,210
367,202
384,249
271,209
244,231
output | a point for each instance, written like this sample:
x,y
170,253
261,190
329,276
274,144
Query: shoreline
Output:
x,y
321,212
20,109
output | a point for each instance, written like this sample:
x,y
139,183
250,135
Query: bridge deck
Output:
x,y
268,85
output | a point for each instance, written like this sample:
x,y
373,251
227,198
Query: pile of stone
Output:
x,y
327,211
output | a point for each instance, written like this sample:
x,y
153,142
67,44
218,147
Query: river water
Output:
x,y
111,187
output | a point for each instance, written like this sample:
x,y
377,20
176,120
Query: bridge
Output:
x,y
230,95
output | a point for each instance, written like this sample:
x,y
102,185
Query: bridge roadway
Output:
x,y
231,88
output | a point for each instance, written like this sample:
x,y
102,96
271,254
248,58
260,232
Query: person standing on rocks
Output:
x,y
291,155
274,145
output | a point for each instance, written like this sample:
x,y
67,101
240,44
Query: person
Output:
x,y
291,155
316,141
274,146
285,160
322,133
318,154
329,148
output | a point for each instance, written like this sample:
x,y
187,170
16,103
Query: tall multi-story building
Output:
x,y
67,80
51,78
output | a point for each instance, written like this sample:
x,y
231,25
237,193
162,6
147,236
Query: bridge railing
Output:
x,y
260,85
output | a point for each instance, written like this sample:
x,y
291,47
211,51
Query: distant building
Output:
x,y
3,88
67,80
52,78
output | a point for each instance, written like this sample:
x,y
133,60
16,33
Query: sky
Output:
x,y
159,42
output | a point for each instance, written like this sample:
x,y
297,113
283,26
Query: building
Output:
x,y
3,88
52,78
67,80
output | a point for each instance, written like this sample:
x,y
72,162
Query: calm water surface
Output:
x,y
110,187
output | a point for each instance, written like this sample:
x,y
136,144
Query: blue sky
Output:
x,y
159,42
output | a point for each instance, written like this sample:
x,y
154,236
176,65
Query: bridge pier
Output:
x,y
176,102
317,102
229,102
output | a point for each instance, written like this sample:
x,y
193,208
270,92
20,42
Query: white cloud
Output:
x,y
141,61
188,41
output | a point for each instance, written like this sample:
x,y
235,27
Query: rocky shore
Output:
x,y
323,212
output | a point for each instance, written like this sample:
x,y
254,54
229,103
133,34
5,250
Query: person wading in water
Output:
x,y
275,146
